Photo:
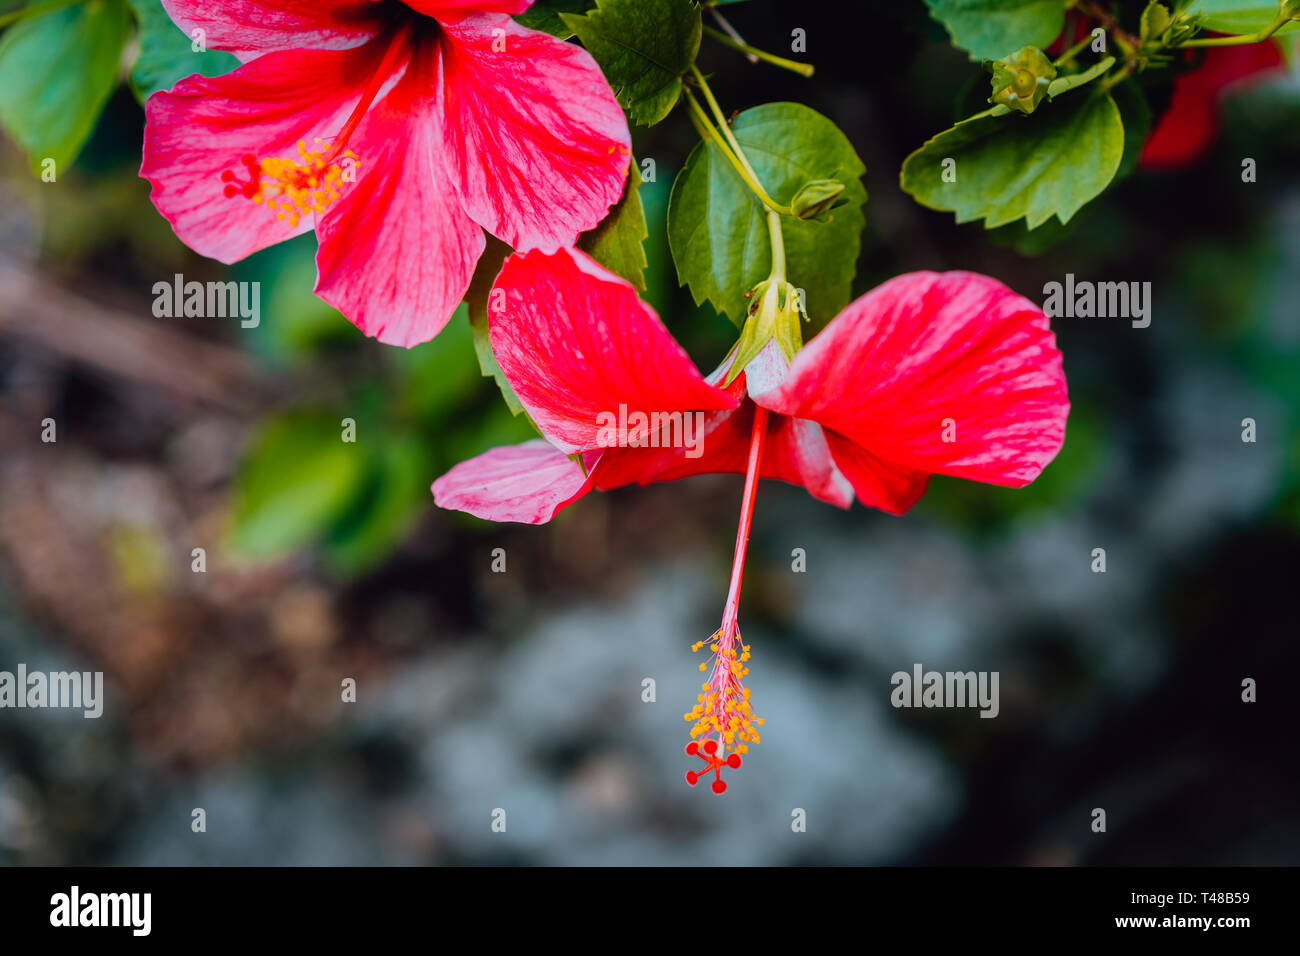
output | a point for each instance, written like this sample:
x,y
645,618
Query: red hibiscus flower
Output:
x,y
930,373
1188,127
399,131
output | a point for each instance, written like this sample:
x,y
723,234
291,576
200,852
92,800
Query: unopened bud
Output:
x,y
1155,20
817,198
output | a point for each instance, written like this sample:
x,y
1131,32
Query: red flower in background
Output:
x,y
1187,129
927,374
399,131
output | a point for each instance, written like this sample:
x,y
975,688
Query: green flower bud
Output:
x,y
1020,80
817,198
1155,20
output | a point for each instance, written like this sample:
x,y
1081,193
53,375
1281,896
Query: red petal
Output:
x,y
203,125
529,483
396,251
800,452
877,483
795,451
541,148
249,28
575,342
451,10
923,348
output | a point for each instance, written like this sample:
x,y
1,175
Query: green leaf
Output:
x,y
1136,117
618,242
545,15
717,229
480,290
989,29
394,494
56,73
1238,16
304,325
435,382
643,47
298,479
167,54
1007,168
1034,242
1136,114
1063,84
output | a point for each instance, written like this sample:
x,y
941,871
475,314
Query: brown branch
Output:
x,y
1094,10
35,310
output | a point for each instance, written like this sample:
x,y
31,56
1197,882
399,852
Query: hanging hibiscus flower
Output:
x,y
949,373
398,131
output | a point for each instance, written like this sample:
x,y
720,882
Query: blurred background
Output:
x,y
523,690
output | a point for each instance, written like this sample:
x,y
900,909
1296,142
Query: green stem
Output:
x,y
729,30
727,142
1258,37
1093,10
35,10
803,69
778,247
1070,54
731,150
720,117
1116,78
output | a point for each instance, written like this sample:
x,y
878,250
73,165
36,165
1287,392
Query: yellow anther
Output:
x,y
295,184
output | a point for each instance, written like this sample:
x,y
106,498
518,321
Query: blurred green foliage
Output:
x,y
167,54
56,73
414,413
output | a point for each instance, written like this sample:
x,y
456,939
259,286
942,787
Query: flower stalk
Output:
x,y
731,150
1281,20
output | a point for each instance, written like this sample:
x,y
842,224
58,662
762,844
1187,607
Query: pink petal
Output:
x,y
248,28
529,483
396,251
576,343
800,453
923,349
541,148
765,371
204,125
